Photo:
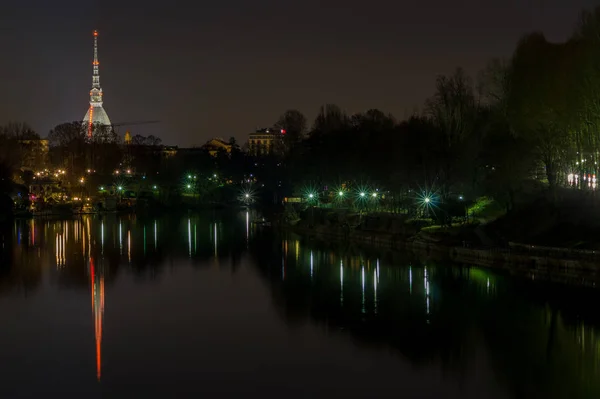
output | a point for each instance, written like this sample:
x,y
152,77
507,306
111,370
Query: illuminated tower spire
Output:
x,y
96,74
96,113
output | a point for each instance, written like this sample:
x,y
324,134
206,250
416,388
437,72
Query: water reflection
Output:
x,y
534,338
97,290
451,316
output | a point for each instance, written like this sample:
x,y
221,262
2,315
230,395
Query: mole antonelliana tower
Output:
x,y
96,113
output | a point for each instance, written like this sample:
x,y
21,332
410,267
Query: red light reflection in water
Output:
x,y
97,285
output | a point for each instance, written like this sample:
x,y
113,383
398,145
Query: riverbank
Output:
x,y
544,263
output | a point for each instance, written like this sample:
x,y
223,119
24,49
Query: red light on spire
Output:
x,y
282,131
95,33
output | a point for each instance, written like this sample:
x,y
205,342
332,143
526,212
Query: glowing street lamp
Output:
x,y
362,194
427,200
341,193
374,195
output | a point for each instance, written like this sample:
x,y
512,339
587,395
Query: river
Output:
x,y
213,305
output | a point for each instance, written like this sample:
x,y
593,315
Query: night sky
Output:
x,y
222,68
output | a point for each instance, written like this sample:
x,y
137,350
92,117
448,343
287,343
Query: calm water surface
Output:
x,y
209,304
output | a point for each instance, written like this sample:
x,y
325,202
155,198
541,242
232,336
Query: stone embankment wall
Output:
x,y
548,264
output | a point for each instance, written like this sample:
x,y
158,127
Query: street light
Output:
x,y
341,193
427,200
362,194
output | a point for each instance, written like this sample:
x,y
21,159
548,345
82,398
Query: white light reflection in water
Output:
x,y
89,233
341,282
410,279
362,272
247,227
283,253
375,278
377,270
120,238
83,239
129,245
60,250
102,237
32,232
426,286
216,239
155,239
488,285
190,237
311,265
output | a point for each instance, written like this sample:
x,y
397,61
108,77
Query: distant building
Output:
x,y
168,151
263,141
213,146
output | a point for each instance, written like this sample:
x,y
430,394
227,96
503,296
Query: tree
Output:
x,y
10,151
22,146
293,124
453,111
493,86
138,139
153,141
19,130
66,134
541,101
69,140
104,150
330,119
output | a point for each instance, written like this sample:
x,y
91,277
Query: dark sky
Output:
x,y
221,68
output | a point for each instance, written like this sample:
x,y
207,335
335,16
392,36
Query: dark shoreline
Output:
x,y
579,268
